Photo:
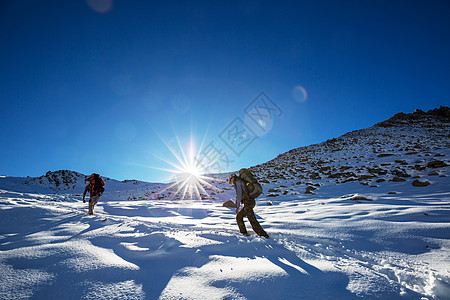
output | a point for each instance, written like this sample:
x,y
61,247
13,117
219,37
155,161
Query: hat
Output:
x,y
231,176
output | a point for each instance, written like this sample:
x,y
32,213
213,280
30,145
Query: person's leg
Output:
x,y
240,221
92,201
252,219
255,224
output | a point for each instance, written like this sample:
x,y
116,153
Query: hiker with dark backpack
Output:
x,y
247,190
96,189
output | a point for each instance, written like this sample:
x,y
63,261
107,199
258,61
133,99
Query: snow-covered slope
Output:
x,y
346,219
65,182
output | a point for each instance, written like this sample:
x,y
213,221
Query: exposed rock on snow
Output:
x,y
229,203
419,183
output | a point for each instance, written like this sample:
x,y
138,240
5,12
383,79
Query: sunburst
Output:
x,y
188,178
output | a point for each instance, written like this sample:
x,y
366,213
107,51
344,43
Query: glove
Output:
x,y
84,201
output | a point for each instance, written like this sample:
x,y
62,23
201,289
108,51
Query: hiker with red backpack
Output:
x,y
96,189
247,189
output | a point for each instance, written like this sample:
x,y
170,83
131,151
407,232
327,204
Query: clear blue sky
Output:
x,y
95,86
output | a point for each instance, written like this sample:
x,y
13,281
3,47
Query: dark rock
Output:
x,y
358,198
380,180
273,195
433,173
324,169
401,161
385,154
315,176
365,177
436,164
348,180
392,193
398,179
342,174
419,167
419,183
269,203
400,173
229,203
378,171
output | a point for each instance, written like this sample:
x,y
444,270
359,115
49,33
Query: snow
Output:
x,y
347,240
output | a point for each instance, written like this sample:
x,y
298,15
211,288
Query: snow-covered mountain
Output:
x,y
64,182
365,215
410,148
407,147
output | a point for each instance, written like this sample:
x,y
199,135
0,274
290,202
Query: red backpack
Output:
x,y
96,183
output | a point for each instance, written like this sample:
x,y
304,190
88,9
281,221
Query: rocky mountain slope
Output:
x,y
411,148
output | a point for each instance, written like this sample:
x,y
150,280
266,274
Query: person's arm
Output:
x,y
238,188
85,191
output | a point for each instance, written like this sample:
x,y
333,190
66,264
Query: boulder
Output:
x,y
419,183
436,164
229,203
398,179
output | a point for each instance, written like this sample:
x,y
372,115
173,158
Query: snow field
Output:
x,y
327,247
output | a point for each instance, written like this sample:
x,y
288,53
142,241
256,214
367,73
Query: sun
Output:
x,y
188,173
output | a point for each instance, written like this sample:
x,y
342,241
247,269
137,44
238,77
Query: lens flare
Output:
x,y
299,94
100,6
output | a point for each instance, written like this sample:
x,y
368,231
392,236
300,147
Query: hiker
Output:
x,y
242,195
96,189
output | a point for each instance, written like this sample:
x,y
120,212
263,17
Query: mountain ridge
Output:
x,y
350,157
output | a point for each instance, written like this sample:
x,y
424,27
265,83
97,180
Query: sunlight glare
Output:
x,y
189,180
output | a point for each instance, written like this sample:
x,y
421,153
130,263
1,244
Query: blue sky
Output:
x,y
105,86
